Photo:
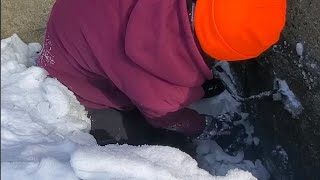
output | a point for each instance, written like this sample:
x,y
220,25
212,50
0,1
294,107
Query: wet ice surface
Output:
x,y
44,134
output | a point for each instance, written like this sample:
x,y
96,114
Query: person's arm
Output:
x,y
185,121
162,103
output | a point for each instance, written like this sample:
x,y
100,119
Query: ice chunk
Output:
x,y
299,49
290,101
256,141
214,106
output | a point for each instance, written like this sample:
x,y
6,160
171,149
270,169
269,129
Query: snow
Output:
x,y
212,158
44,134
145,162
47,168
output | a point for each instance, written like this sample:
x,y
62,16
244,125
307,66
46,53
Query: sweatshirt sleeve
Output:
x,y
162,103
165,107
185,120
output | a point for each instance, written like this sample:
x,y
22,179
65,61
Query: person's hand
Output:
x,y
212,88
221,125
223,130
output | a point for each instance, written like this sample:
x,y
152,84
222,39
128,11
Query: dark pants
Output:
x,y
110,126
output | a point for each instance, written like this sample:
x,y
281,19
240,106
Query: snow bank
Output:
x,y
144,162
44,132
39,116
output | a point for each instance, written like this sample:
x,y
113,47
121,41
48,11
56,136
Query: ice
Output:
x,y
249,129
217,105
290,101
44,133
260,171
256,141
299,49
226,67
226,76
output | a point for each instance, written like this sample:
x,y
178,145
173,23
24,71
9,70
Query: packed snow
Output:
x,y
44,135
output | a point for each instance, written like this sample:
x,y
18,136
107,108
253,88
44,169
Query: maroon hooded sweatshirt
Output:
x,y
125,53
